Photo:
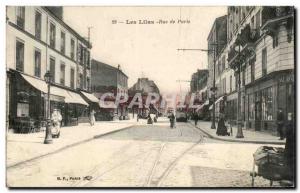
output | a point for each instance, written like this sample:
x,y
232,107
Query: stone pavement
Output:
x,y
250,136
24,147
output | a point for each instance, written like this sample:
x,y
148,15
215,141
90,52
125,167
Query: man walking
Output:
x,y
280,122
196,119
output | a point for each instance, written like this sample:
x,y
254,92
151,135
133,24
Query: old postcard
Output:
x,y
143,97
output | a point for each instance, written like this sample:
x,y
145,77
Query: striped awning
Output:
x,y
69,96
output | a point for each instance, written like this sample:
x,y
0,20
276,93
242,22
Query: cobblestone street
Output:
x,y
143,156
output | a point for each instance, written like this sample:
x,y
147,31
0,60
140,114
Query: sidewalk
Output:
x,y
24,147
250,136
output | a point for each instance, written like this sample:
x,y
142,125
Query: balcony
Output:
x,y
246,40
273,14
272,17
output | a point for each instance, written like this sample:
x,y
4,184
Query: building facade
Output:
x,y
37,41
144,86
106,78
265,36
259,56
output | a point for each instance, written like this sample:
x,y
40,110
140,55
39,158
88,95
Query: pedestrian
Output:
x,y
222,129
149,120
196,119
172,120
56,119
92,117
280,123
137,117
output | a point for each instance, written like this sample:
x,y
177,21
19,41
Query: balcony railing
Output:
x,y
246,40
273,13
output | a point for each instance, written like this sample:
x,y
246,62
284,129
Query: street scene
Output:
x,y
150,97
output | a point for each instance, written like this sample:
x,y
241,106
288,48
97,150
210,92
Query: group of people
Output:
x,y
151,118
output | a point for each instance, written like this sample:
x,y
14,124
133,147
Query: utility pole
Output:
x,y
239,133
213,89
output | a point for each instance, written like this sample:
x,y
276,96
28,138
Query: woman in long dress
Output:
x,y
92,117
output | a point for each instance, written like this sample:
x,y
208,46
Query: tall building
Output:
x,y
265,37
218,70
37,41
107,78
259,56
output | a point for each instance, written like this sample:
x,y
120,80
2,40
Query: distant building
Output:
x,y
145,86
107,78
199,80
198,87
37,41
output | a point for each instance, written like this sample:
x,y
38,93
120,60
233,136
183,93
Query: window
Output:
x,y
251,107
62,42
224,85
223,63
52,68
72,78
252,23
88,59
52,35
21,17
81,81
230,86
37,63
22,110
257,18
264,62
72,49
62,73
80,53
252,65
19,56
243,80
267,103
88,83
38,24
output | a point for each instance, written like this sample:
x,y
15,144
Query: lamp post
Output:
x,y
48,136
239,133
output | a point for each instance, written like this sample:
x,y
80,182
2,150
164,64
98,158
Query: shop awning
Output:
x,y
91,97
75,98
218,100
201,106
69,96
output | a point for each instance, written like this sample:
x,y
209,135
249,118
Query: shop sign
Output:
x,y
286,78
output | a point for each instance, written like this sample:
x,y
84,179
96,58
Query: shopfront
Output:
x,y
264,98
27,108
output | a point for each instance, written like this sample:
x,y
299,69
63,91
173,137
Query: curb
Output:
x,y
240,141
67,146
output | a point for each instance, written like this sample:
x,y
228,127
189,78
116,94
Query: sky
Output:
x,y
148,50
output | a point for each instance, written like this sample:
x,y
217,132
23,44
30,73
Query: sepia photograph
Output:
x,y
150,96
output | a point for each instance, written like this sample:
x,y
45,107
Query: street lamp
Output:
x,y
239,133
48,136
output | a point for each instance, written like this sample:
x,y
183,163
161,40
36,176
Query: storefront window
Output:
x,y
267,104
22,110
251,107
